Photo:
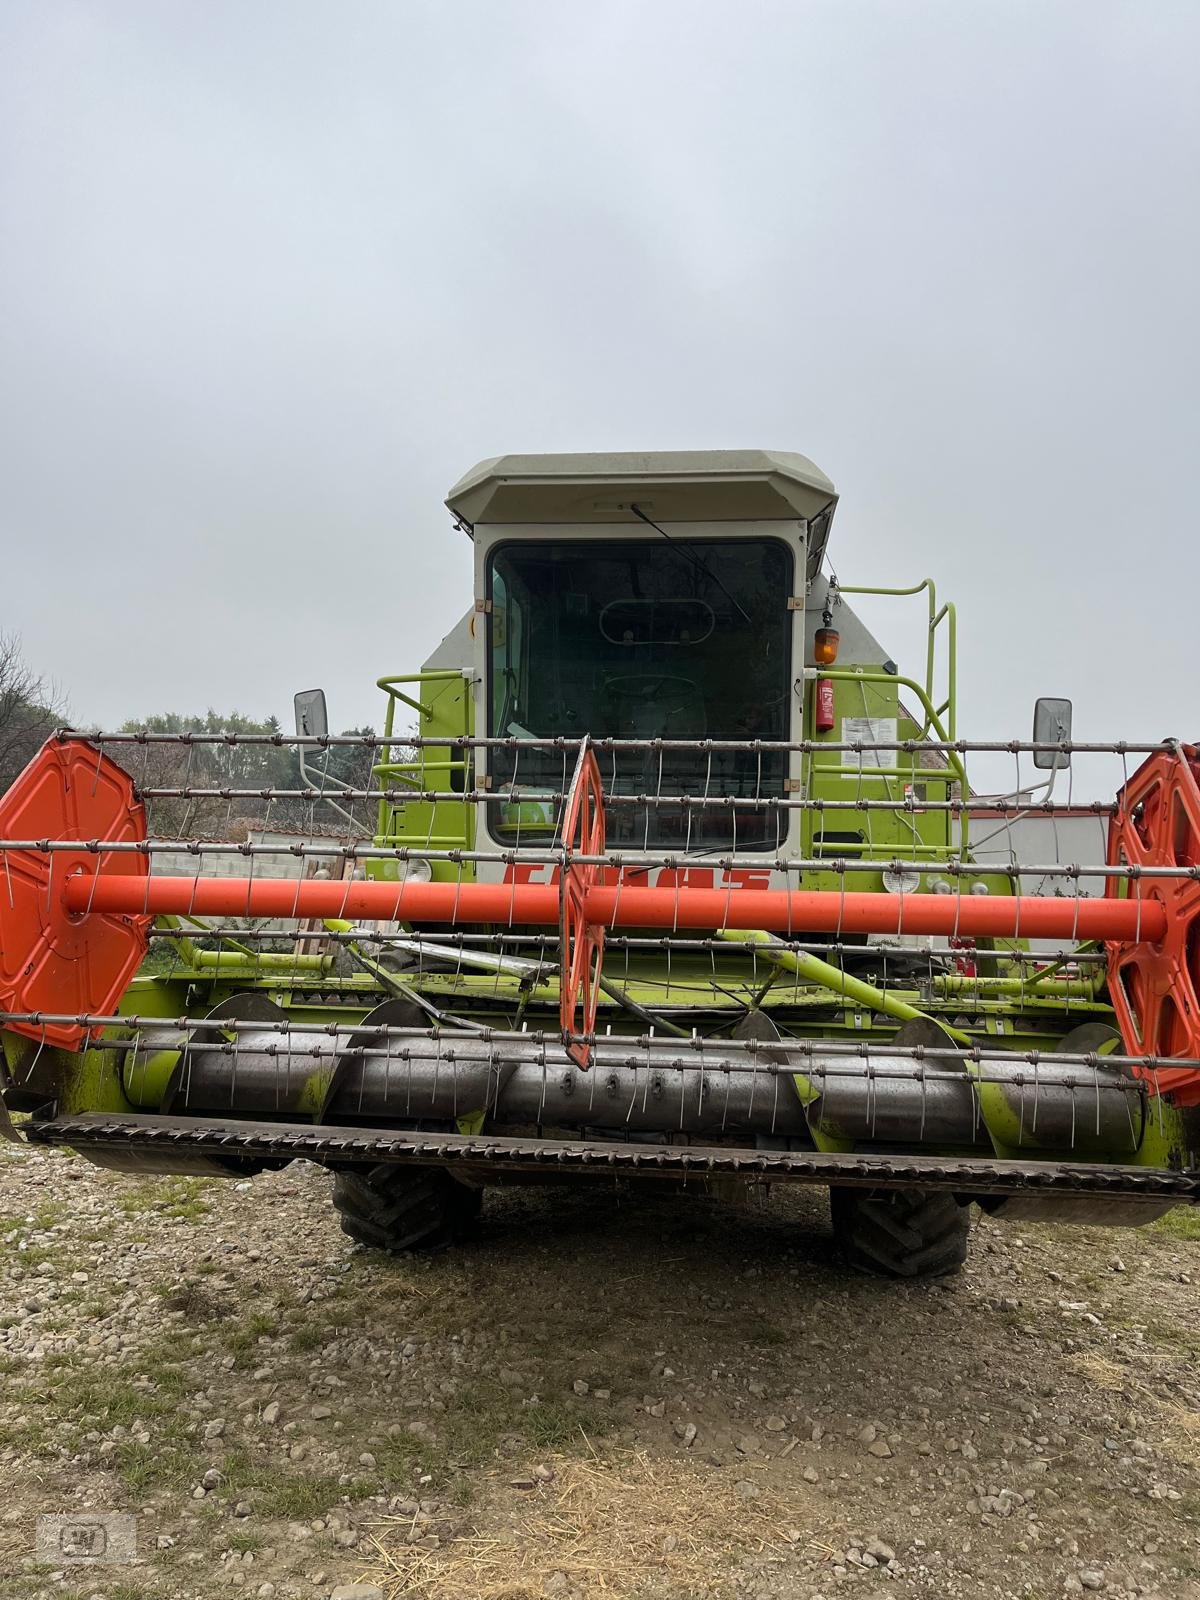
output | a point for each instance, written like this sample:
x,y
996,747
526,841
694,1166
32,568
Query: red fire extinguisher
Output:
x,y
823,711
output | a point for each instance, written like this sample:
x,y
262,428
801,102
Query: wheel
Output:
x,y
900,1233
391,1207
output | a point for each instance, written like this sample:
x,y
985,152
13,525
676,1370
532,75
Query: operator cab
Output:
x,y
644,597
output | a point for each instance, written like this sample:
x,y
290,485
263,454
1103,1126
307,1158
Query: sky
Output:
x,y
274,275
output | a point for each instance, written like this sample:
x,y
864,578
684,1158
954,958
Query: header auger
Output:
x,y
656,888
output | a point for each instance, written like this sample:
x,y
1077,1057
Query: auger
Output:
x,y
666,881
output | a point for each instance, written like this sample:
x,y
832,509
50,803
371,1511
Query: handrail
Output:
x,y
431,675
949,615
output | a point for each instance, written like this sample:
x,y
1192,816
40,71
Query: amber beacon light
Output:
x,y
825,646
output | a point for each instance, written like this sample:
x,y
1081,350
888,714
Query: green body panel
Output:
x,y
438,704
872,835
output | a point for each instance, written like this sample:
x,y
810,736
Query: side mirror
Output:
x,y
312,720
1051,725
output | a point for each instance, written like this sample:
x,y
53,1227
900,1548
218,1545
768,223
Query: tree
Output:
x,y
178,764
352,763
30,710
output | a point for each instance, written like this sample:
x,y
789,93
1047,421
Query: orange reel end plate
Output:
x,y
50,960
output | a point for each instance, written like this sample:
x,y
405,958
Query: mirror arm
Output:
x,y
328,799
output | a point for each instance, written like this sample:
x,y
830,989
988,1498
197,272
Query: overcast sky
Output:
x,y
273,275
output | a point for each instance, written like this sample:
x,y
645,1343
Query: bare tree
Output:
x,y
30,709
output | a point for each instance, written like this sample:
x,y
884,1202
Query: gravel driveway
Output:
x,y
602,1393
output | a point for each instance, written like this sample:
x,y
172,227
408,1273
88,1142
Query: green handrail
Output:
x,y
947,614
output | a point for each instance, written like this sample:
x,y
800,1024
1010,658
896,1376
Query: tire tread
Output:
x,y
901,1233
400,1209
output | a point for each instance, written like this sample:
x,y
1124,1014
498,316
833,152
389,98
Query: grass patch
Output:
x,y
160,1362
311,1336
483,1414
157,1465
70,1402
1182,1223
41,1219
179,1198
322,1319
112,1400
238,1471
298,1499
31,1256
397,1459
97,1307
277,1493
29,1436
477,1418
1172,1336
262,1325
551,1426
171,1383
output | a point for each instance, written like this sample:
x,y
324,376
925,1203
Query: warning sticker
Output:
x,y
871,730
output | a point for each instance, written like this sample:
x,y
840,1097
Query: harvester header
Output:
x,y
671,873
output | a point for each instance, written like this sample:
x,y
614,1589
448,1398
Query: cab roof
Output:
x,y
668,485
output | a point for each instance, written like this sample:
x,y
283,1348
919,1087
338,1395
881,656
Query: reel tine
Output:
x,y
753,1075
1074,1119
649,1074
1022,1088
409,1079
452,1060
1095,1071
235,1046
284,1102
437,1059
543,1063
592,1077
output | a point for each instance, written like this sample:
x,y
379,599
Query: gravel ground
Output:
x,y
602,1393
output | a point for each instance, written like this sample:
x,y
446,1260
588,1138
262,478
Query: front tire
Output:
x,y
395,1208
900,1233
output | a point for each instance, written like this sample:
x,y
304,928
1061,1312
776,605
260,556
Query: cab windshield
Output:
x,y
631,639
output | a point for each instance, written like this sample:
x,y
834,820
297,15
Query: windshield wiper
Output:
x,y
696,560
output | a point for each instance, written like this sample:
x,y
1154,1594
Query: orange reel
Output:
x,y
52,959
1155,987
582,942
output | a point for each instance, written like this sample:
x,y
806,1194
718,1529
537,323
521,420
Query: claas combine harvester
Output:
x,y
671,879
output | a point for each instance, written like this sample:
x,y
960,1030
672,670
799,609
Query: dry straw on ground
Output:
x,y
1177,1418
613,1524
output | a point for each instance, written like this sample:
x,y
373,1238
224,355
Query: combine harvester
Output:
x,y
671,880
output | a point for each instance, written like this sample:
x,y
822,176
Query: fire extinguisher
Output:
x,y
823,710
